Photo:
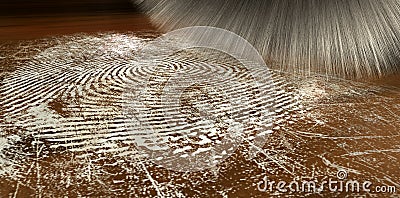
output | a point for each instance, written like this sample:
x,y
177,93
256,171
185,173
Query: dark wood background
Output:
x,y
31,19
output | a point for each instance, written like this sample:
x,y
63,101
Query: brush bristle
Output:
x,y
346,38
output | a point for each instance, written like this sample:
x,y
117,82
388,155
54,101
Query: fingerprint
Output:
x,y
72,96
89,105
